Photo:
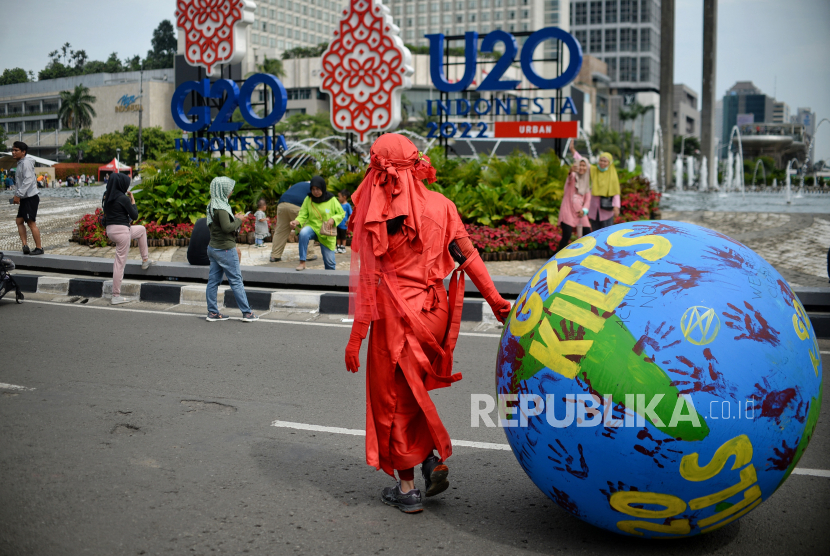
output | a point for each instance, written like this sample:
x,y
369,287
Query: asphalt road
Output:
x,y
146,433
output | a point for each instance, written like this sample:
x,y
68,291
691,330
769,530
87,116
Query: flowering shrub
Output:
x,y
248,224
637,200
517,234
90,229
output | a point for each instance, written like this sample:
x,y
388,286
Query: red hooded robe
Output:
x,y
397,286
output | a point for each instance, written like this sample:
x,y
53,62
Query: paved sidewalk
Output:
x,y
795,243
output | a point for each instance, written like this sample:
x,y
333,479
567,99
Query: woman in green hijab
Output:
x,y
222,251
605,193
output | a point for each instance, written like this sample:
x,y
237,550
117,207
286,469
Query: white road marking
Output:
x,y
360,432
469,444
825,352
13,387
814,472
271,321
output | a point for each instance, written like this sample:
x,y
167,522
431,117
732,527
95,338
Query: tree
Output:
x,y
305,126
305,51
164,44
76,109
71,150
690,145
272,66
13,75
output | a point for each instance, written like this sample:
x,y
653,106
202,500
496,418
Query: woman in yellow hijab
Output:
x,y
605,193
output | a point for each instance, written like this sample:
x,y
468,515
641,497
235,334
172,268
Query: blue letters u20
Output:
x,y
493,81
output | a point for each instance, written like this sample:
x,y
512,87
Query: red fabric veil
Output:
x,y
391,188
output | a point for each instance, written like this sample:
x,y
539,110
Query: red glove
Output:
x,y
359,331
353,353
478,273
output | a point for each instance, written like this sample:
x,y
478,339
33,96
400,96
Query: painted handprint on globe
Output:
x,y
364,70
214,30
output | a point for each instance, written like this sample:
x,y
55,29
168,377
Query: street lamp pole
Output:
x,y
140,112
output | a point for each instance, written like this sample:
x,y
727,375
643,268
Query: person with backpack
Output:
x,y
119,213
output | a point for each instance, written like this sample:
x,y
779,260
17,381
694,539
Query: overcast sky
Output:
x,y
782,46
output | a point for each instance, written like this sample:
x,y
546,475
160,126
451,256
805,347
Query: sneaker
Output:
x,y
273,260
311,258
216,317
26,250
249,317
118,300
147,264
37,251
435,474
408,503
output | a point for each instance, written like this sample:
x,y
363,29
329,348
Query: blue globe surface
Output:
x,y
666,379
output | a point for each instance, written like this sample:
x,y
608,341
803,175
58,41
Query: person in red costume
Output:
x,y
406,240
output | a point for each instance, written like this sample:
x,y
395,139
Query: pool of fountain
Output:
x,y
752,201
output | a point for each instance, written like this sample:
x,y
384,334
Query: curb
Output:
x,y
509,287
194,294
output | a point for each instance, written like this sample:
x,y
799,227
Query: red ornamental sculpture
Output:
x,y
214,30
364,70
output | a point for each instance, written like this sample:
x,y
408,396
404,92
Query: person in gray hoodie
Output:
x,y
26,195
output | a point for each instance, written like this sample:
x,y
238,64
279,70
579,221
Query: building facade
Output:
x,y
744,104
625,34
281,25
29,111
685,115
780,112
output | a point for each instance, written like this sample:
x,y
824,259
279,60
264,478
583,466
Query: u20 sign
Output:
x,y
494,81
234,97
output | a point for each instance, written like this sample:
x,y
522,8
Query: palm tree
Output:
x,y
76,109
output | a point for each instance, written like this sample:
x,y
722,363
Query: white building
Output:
x,y
625,34
281,25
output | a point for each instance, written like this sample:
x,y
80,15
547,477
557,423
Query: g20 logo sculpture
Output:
x,y
493,81
236,97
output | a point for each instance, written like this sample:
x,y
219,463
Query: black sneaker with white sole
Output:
x,y
216,317
407,502
435,474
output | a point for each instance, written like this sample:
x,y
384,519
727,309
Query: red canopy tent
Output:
x,y
114,166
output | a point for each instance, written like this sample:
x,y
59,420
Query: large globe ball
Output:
x,y
668,380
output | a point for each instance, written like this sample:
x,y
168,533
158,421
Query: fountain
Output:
x,y
788,182
704,175
775,183
678,172
760,163
690,171
631,165
739,172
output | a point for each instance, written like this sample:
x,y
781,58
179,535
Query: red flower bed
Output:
x,y
90,230
516,234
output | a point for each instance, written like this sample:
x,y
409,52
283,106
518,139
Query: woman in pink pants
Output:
x,y
120,211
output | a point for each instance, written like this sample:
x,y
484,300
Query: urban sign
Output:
x,y
214,31
364,70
